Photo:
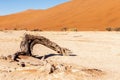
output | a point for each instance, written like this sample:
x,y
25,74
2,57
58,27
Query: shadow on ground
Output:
x,y
49,55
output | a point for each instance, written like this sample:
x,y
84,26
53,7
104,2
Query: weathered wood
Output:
x,y
29,41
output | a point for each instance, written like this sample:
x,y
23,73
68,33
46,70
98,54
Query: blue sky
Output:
x,y
13,6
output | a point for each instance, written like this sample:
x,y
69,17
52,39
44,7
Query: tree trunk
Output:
x,y
29,41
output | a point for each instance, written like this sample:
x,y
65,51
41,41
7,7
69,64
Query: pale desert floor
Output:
x,y
97,56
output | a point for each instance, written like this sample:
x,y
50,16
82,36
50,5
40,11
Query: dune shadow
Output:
x,y
49,55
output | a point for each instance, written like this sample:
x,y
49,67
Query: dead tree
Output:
x,y
29,41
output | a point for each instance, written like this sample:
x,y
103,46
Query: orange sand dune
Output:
x,y
80,14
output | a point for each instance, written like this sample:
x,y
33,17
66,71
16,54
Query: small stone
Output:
x,y
22,64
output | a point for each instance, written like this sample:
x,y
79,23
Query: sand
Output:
x,y
97,56
85,15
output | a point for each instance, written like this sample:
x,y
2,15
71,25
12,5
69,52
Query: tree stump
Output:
x,y
29,41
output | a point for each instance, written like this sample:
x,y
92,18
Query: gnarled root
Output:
x,y
29,41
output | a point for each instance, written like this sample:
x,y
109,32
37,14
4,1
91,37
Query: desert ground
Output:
x,y
95,56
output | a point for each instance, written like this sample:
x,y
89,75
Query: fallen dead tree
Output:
x,y
29,41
